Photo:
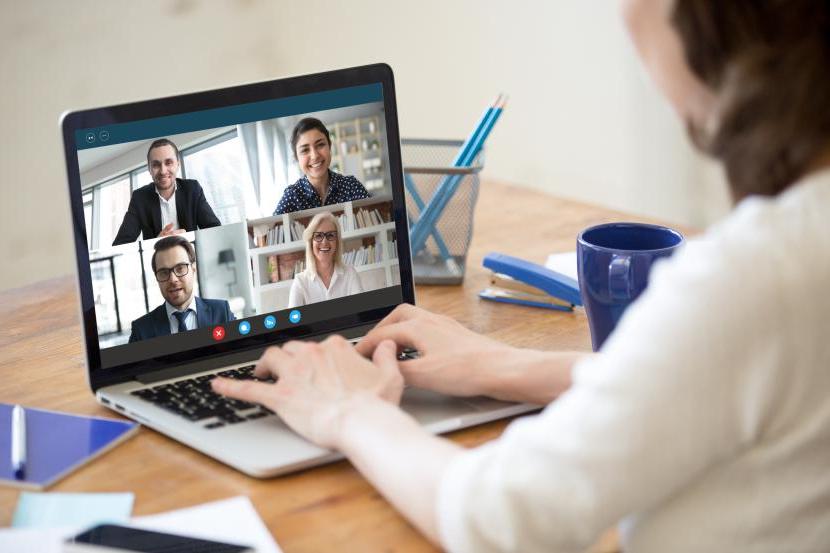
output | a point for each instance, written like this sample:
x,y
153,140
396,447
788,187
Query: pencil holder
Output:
x,y
431,178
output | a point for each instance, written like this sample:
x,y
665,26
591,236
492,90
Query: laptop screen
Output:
x,y
228,220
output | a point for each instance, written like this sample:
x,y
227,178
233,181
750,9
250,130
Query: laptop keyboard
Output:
x,y
195,400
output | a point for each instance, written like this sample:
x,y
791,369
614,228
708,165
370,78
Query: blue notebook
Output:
x,y
56,444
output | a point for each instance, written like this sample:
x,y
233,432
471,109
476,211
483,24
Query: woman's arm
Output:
x,y
337,399
455,360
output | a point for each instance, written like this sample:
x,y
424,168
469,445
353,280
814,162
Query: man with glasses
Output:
x,y
174,267
168,205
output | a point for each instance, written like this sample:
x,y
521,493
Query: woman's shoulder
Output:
x,y
345,179
297,184
791,226
764,267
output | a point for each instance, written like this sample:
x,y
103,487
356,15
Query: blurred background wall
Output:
x,y
583,120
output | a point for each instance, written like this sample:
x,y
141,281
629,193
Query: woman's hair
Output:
x,y
308,233
768,63
305,125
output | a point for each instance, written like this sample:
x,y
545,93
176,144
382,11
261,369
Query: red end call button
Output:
x,y
218,333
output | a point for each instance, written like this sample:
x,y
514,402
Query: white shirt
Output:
x,y
307,286
189,319
169,213
704,425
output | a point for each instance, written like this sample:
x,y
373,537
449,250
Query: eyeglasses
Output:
x,y
163,275
329,236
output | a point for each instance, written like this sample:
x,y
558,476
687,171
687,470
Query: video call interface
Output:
x,y
214,234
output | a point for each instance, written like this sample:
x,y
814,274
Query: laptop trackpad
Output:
x,y
429,407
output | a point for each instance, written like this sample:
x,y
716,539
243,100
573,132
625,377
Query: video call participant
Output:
x,y
169,205
325,276
174,264
311,144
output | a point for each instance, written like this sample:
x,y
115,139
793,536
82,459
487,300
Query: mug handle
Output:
x,y
619,278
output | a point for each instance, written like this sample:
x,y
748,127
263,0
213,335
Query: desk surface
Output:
x,y
320,509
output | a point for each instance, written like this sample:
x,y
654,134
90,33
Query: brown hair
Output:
x,y
768,63
158,144
170,242
305,125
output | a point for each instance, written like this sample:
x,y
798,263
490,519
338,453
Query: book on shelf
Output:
x,y
391,247
368,218
273,269
288,264
344,223
297,230
365,255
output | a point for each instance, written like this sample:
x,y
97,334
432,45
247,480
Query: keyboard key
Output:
x,y
195,400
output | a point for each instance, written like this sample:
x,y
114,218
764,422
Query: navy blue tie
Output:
x,y
181,316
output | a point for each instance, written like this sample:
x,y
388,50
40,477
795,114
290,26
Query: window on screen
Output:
x,y
219,167
112,197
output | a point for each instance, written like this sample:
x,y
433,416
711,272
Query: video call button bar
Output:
x,y
272,323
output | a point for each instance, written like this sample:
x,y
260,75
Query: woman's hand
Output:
x,y
318,383
455,360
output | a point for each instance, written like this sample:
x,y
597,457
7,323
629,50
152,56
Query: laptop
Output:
x,y
189,216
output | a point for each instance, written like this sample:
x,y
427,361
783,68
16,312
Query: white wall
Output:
x,y
582,121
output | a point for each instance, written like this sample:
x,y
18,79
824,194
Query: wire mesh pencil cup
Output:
x,y
428,164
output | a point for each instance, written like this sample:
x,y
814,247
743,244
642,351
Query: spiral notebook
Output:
x,y
56,444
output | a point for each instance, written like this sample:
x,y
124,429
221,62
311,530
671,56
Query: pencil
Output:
x,y
449,184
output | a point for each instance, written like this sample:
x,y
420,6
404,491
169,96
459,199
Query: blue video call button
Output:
x,y
295,316
270,321
244,327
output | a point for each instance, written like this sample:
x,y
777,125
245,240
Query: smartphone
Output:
x,y
111,538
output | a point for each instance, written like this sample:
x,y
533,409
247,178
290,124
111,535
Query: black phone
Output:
x,y
111,538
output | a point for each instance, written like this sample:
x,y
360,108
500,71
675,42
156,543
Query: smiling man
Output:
x,y
168,205
174,266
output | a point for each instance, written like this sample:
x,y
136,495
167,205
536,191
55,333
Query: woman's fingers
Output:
x,y
385,358
403,312
271,362
246,390
403,334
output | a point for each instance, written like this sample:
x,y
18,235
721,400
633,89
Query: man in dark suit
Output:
x,y
174,265
168,205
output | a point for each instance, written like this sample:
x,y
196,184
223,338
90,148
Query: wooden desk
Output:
x,y
322,509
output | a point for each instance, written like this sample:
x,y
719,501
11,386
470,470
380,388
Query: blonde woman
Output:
x,y
326,276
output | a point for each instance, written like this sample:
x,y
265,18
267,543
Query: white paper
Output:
x,y
35,540
564,263
230,520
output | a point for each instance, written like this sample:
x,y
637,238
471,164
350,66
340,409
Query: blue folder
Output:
x,y
56,444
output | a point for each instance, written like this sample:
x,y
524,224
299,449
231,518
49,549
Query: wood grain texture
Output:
x,y
322,509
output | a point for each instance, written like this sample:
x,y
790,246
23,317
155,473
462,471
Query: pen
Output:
x,y
18,441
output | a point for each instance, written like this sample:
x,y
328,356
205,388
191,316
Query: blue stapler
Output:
x,y
515,280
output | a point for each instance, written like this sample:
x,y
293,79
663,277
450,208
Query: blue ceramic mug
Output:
x,y
613,262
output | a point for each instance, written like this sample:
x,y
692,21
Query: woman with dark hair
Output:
x,y
319,186
703,424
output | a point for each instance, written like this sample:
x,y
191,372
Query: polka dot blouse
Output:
x,y
301,195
